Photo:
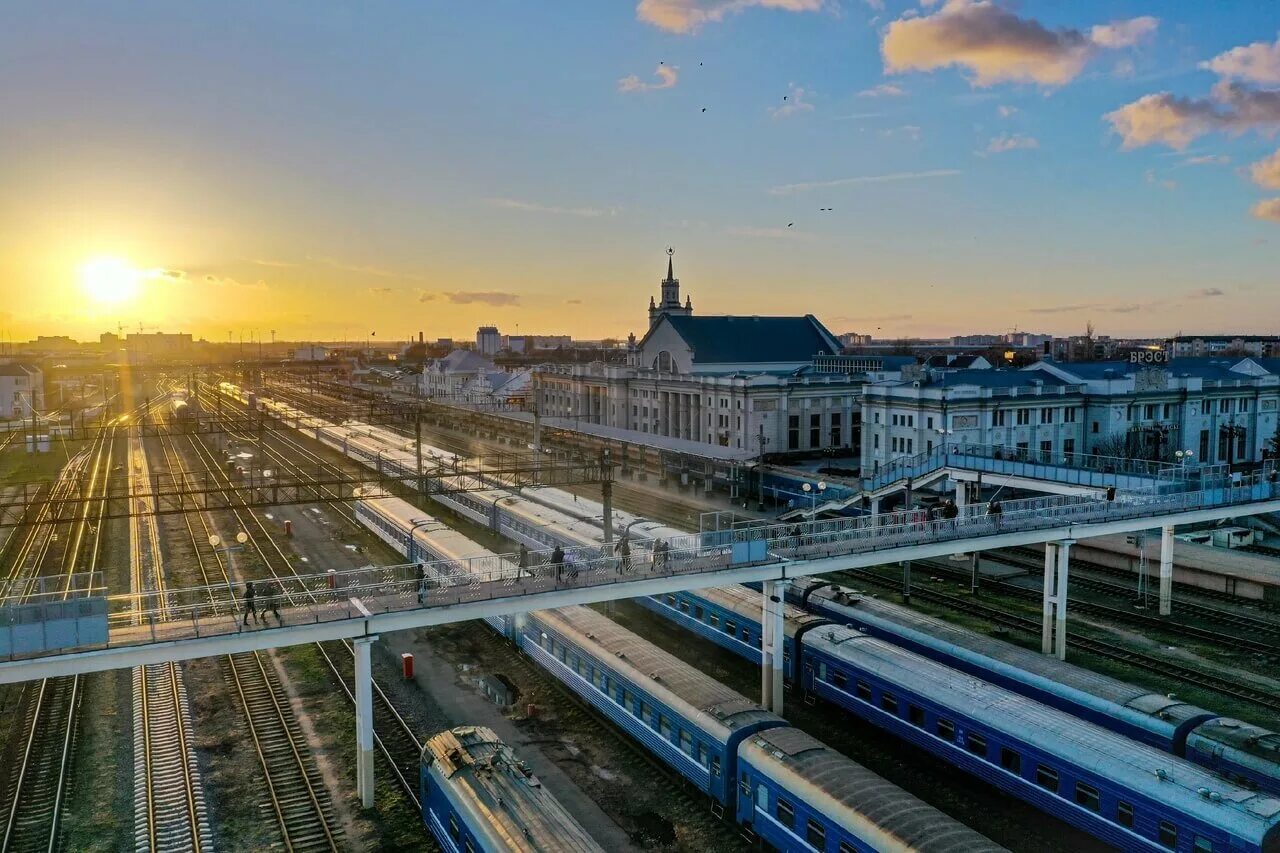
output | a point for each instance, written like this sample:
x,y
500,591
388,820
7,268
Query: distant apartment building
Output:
x,y
1200,346
488,340
158,344
21,390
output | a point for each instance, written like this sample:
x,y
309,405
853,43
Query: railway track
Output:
x,y
1253,625
170,813
1111,651
1180,589
43,754
295,794
1231,641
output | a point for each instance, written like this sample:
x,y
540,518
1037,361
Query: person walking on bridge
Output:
x,y
995,510
250,609
270,593
420,580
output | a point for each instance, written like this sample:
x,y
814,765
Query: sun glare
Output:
x,y
110,280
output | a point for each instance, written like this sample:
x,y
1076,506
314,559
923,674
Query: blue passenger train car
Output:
x,y
477,796
1125,793
1239,751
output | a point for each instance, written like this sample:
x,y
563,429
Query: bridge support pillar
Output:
x,y
960,493
364,720
1166,570
1050,571
772,645
1053,637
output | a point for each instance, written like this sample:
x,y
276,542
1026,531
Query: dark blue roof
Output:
x,y
758,340
989,378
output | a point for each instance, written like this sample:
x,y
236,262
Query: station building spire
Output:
x,y
670,302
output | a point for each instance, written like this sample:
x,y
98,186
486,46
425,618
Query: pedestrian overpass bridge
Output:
x,y
1057,474
97,630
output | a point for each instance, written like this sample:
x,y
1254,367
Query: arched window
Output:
x,y
664,363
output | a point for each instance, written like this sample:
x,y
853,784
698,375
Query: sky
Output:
x,y
329,171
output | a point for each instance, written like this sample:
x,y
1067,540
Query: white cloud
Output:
x,y
1268,209
667,75
688,16
791,189
1207,160
1266,172
1011,142
1258,62
884,90
1124,33
996,45
1167,119
1006,111
534,207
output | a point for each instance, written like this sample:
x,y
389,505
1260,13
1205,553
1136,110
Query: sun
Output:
x,y
110,280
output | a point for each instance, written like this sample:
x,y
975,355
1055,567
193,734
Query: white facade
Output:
x,y
1218,412
21,390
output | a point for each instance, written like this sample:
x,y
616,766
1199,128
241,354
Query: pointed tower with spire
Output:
x,y
670,303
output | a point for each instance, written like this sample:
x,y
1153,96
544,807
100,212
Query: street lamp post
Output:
x,y
813,492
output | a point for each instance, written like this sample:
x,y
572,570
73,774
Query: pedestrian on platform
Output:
x,y
524,562
949,512
250,609
624,553
659,555
420,580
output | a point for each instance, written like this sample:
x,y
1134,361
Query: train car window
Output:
x,y
671,601
686,742
454,832
786,814
839,679
468,846
1011,761
730,628
889,702
1124,813
684,607
697,612
1047,778
864,691
619,695
715,765
646,713
762,798
1201,845
702,754
846,847
816,835
1168,835
1087,796
664,726
976,744
713,620
916,715
946,730
744,784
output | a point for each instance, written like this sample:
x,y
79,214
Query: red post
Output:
x,y
406,665
332,577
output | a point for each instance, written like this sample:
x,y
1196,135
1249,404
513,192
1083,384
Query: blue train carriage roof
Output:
x,y
974,646
747,603
719,711
521,814
1183,786
1255,747
865,805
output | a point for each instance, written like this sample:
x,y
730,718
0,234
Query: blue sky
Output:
x,y
318,169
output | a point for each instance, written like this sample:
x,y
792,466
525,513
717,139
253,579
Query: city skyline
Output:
x,y
896,169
